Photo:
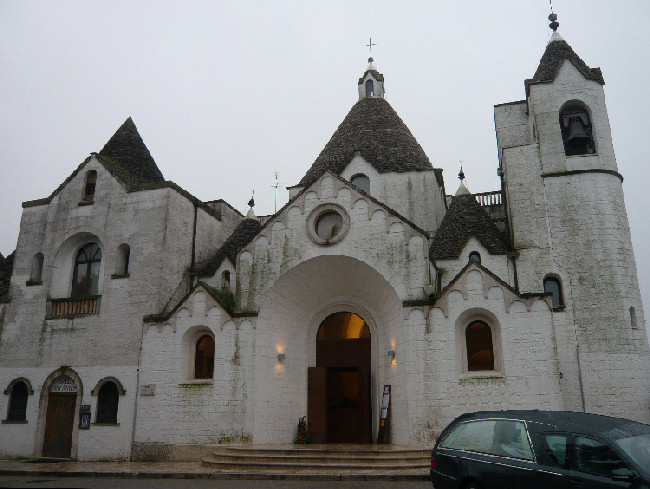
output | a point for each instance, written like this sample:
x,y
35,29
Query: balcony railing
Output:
x,y
489,198
76,306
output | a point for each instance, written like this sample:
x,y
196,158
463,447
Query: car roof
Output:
x,y
568,421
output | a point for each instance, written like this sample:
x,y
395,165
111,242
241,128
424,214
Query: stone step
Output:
x,y
323,459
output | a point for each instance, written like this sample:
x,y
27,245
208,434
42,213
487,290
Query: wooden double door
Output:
x,y
59,422
339,404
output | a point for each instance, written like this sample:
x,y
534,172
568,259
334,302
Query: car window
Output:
x,y
596,458
555,449
497,437
637,448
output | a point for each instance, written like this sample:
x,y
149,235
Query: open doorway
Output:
x,y
339,386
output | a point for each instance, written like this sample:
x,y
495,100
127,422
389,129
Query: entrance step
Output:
x,y
358,461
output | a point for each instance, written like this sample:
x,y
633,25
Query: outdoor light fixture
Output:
x,y
281,357
391,354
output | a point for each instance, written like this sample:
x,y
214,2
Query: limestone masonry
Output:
x,y
137,322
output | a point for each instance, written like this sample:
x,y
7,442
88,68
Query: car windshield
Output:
x,y
637,448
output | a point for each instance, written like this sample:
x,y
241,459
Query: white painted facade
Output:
x,y
565,217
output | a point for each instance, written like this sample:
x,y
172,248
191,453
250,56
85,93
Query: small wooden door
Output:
x,y
317,403
59,422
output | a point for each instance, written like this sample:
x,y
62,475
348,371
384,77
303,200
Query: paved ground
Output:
x,y
182,470
137,483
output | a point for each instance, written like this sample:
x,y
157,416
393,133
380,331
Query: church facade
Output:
x,y
137,321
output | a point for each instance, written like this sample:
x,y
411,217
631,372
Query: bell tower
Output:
x,y
371,84
568,226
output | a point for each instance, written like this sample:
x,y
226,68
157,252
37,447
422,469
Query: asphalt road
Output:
x,y
133,483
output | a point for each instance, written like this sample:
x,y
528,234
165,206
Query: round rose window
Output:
x,y
329,225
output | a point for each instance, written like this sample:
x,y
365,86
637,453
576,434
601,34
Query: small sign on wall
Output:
x,y
84,417
148,390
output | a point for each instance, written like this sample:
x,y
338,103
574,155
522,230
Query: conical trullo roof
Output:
x,y
372,128
128,157
465,218
557,50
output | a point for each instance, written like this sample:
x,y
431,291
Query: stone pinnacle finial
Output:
x,y
461,174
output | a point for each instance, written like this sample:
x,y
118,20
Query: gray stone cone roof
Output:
x,y
549,66
465,218
127,157
378,76
245,231
373,128
6,269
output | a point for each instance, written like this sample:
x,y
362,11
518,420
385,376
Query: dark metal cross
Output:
x,y
370,45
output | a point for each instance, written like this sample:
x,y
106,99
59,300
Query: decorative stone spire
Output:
x,y
462,189
371,84
251,203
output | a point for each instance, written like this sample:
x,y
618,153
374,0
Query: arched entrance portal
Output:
x,y
59,420
339,386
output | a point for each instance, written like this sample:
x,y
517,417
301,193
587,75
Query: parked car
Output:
x,y
541,449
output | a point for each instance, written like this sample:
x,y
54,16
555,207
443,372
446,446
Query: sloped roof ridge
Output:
x,y
549,65
465,218
243,234
372,128
129,156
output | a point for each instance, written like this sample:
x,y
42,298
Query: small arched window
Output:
x,y
480,351
18,402
123,256
89,187
575,125
553,286
475,257
225,280
108,399
370,88
362,182
204,358
37,268
633,320
85,280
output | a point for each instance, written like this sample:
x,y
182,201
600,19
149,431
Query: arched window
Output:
x,y
204,358
89,187
122,263
370,88
480,351
225,280
553,286
362,182
18,402
85,280
475,257
37,268
108,399
633,320
575,125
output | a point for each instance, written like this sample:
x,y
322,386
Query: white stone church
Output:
x,y
137,321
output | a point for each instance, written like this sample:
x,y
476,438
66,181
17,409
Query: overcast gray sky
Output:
x,y
226,93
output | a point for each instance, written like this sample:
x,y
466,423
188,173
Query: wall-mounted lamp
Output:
x,y
391,354
281,357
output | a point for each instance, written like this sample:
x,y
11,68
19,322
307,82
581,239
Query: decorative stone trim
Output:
x,y
317,213
99,385
85,202
116,276
27,383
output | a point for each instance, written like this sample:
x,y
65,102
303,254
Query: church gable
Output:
x,y
332,217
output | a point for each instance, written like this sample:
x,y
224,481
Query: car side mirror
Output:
x,y
623,475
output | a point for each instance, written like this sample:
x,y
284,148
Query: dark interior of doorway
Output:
x,y
339,386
